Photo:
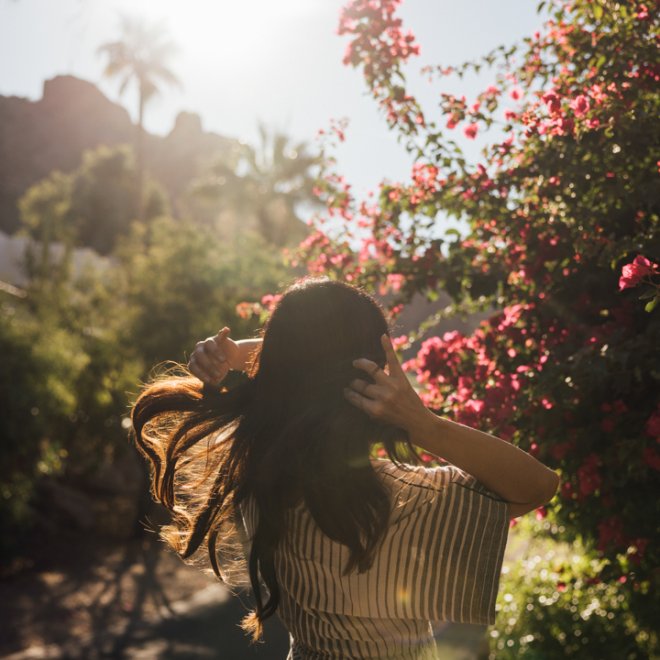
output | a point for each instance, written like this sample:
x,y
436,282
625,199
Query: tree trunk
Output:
x,y
139,155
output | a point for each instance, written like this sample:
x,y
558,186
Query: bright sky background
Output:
x,y
244,60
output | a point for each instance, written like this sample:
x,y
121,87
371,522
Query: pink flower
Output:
x,y
589,478
246,310
564,126
515,93
580,105
560,450
637,550
607,425
552,101
652,427
633,273
400,341
269,301
610,533
470,131
474,405
651,458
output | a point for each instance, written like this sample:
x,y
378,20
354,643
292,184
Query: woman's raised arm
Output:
x,y
500,466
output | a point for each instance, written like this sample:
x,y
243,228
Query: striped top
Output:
x,y
439,561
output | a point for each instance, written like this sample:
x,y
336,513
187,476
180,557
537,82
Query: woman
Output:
x,y
356,555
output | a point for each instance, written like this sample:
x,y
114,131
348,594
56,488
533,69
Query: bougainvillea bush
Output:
x,y
561,210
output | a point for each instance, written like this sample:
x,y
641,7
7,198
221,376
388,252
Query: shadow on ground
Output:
x,y
87,598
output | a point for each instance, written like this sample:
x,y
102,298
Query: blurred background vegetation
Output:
x,y
123,262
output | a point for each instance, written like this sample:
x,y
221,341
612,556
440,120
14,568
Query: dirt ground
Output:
x,y
87,598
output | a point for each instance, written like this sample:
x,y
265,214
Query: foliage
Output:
x,y
91,326
64,382
26,449
181,281
563,198
561,602
91,207
268,183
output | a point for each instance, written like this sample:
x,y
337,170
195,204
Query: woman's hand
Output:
x,y
214,357
391,398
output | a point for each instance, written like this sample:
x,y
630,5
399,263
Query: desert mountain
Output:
x,y
72,116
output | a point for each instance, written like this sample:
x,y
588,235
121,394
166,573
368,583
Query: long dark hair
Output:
x,y
284,435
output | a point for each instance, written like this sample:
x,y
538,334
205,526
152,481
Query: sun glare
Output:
x,y
229,31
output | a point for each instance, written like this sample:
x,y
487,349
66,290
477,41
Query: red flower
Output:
x,y
471,131
633,273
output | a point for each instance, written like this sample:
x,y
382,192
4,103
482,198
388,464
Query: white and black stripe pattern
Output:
x,y
440,561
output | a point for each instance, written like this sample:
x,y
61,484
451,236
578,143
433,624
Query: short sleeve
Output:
x,y
456,539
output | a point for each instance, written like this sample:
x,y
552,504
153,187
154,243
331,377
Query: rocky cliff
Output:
x,y
72,116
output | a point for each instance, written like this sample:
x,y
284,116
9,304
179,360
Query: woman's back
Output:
x,y
324,386
440,560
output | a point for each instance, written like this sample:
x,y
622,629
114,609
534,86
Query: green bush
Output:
x,y
561,601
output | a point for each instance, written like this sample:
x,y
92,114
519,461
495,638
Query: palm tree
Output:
x,y
140,56
270,183
281,174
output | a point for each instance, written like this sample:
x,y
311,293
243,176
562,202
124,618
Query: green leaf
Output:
x,y
650,306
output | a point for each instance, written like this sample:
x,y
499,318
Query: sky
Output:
x,y
278,61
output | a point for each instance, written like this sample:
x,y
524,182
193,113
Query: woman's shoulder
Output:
x,y
420,476
432,478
